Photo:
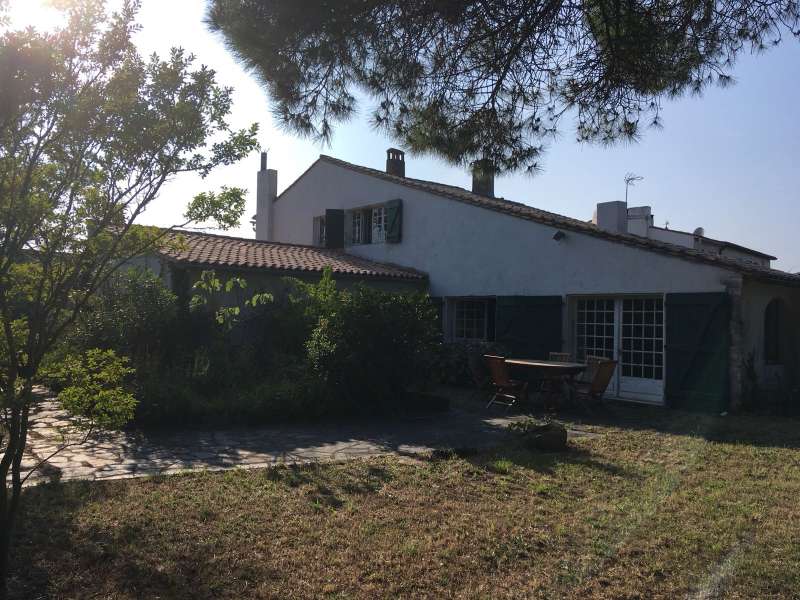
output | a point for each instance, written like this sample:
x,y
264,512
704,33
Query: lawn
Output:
x,y
652,504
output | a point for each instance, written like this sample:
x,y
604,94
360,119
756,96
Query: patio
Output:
x,y
118,455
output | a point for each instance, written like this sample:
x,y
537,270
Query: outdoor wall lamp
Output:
x,y
559,235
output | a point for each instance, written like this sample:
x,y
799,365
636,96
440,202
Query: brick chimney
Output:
x,y
483,177
266,192
395,162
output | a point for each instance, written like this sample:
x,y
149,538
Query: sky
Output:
x,y
728,161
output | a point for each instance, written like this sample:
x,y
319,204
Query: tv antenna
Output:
x,y
630,180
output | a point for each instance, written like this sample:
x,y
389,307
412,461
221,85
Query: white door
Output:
x,y
596,329
631,331
641,349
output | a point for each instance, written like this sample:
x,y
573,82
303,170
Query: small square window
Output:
x,y
470,319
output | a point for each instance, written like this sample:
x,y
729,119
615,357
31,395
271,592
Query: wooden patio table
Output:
x,y
553,370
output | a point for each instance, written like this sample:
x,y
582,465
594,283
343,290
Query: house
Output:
x,y
693,321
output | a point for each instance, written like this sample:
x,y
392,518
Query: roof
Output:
x,y
530,213
722,243
213,250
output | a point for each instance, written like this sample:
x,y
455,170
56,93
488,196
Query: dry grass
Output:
x,y
656,505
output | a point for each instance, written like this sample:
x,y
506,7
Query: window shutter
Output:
x,y
697,361
491,313
334,228
529,326
394,221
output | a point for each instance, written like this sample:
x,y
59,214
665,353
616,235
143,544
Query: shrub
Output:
x,y
93,387
371,347
318,352
133,313
457,363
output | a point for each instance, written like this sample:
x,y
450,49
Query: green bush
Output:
x,y
318,352
457,363
371,347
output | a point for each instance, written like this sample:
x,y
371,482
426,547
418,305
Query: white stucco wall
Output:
x,y
472,251
756,296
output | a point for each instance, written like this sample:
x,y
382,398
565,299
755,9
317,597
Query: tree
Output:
x,y
89,133
492,79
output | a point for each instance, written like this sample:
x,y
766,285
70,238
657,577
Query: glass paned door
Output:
x,y
631,331
642,349
596,331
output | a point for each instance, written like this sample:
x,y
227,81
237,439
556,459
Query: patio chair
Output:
x,y
592,362
603,371
507,391
478,373
560,356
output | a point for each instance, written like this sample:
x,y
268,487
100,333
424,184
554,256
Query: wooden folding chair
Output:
x,y
602,373
592,362
507,391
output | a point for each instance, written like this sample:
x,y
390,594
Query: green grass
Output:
x,y
654,505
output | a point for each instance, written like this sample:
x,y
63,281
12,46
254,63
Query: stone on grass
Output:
x,y
551,437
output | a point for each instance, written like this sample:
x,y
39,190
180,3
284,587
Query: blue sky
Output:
x,y
728,161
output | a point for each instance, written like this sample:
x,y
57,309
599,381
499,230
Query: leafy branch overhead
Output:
x,y
493,78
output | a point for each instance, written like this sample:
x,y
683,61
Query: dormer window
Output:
x,y
379,224
320,238
357,227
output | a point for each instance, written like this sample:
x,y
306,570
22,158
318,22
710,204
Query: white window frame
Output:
x,y
627,384
379,224
458,304
319,231
357,227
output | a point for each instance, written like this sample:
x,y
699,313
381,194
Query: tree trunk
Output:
x,y
5,554
9,502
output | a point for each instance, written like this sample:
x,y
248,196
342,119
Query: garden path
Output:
x,y
116,455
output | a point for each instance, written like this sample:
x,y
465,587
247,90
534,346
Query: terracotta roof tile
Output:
x,y
217,250
524,211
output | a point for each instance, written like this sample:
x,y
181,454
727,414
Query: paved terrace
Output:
x,y
116,455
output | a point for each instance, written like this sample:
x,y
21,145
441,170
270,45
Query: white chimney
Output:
x,y
266,192
640,220
612,216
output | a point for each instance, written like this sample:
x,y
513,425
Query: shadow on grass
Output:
x,y
545,463
42,536
753,429
59,554
756,430
330,488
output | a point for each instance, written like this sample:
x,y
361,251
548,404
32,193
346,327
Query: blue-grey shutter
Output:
x,y
334,228
697,342
394,221
529,326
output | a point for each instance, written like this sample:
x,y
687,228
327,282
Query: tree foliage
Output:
x,y
493,79
89,133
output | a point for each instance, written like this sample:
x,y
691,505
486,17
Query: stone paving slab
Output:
x,y
117,455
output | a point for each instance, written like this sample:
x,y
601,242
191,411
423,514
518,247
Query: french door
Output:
x,y
629,330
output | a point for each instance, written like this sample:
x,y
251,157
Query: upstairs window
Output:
x,y
357,227
379,225
319,231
